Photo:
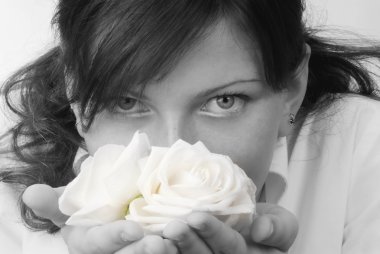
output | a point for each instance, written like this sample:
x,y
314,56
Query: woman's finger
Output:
x,y
220,237
170,246
186,240
274,226
102,239
150,244
43,200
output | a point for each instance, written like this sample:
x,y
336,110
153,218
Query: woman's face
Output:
x,y
215,94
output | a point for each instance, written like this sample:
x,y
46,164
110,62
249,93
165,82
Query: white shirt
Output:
x,y
330,181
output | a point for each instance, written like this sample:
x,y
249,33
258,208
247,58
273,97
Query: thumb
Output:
x,y
43,200
105,238
274,226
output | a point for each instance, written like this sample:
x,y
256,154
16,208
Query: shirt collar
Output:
x,y
276,182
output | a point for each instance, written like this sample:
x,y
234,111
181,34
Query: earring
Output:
x,y
291,119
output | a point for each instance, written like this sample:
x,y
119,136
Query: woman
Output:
x,y
247,78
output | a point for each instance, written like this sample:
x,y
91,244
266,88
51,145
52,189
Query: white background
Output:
x,y
26,32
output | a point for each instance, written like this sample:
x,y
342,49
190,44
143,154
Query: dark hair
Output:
x,y
110,46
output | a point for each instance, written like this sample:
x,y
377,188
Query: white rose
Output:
x,y
106,184
185,178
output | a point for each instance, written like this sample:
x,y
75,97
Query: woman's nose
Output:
x,y
166,133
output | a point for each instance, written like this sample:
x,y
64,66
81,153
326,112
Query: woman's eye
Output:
x,y
128,105
224,104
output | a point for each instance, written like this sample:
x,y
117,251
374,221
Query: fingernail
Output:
x,y
262,229
126,237
269,229
147,250
176,230
179,237
197,222
170,246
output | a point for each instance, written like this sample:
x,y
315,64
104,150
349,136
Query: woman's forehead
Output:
x,y
219,59
226,48
222,56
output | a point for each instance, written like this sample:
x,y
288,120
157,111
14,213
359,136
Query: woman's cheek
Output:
x,y
250,146
107,129
256,166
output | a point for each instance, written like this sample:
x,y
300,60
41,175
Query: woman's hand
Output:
x,y
121,237
273,231
273,227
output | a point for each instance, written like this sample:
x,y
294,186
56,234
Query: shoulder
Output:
x,y
349,128
11,229
338,150
349,116
15,237
359,106
361,124
359,117
347,135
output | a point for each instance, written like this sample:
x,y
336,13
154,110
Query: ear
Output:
x,y
74,106
294,94
78,124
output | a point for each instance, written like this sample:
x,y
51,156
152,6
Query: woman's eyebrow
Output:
x,y
225,85
136,94
141,95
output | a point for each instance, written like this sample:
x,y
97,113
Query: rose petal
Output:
x,y
121,183
107,182
137,212
95,215
72,198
